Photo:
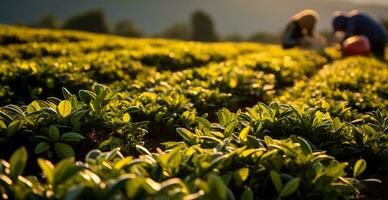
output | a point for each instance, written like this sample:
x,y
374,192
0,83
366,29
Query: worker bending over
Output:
x,y
300,32
355,23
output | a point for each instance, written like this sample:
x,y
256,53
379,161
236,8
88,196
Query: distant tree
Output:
x,y
179,31
264,37
92,21
49,21
128,29
202,27
235,37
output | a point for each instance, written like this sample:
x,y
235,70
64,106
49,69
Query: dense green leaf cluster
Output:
x,y
347,88
228,169
64,135
19,35
55,127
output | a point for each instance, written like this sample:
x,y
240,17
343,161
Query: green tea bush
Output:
x,y
226,170
54,127
181,120
345,88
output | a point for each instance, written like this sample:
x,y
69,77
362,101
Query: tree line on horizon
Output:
x,y
200,28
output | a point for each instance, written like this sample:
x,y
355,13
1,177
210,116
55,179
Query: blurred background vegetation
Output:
x,y
201,27
213,20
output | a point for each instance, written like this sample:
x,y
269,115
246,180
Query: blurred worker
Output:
x,y
300,32
355,23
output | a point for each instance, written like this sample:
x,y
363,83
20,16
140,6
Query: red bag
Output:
x,y
356,45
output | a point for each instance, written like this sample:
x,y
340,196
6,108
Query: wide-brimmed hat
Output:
x,y
306,18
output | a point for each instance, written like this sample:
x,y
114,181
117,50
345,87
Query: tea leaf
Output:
x,y
18,162
276,180
290,187
359,167
41,147
64,108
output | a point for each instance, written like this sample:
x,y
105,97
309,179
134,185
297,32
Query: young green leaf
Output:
x,y
244,133
65,170
276,180
217,187
170,183
133,187
48,169
54,132
93,154
99,88
230,128
185,134
33,107
86,96
14,127
121,163
72,137
63,150
41,147
151,186
305,146
359,167
290,187
274,106
241,174
18,162
204,122
77,116
143,150
2,124
64,108
247,194
66,94
116,185
126,117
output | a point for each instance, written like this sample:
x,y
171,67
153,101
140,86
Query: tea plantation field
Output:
x,y
86,116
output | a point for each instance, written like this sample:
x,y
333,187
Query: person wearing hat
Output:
x,y
299,31
355,23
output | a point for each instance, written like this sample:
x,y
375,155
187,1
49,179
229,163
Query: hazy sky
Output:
x,y
382,2
230,16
